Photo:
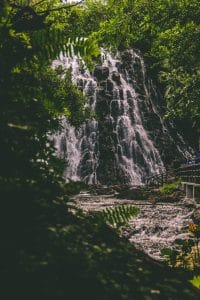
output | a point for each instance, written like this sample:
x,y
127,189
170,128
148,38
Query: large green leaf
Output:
x,y
49,45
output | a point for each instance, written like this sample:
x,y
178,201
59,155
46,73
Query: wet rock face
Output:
x,y
126,113
116,77
128,141
101,73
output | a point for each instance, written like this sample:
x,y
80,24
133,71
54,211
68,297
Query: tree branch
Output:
x,y
14,5
38,3
60,7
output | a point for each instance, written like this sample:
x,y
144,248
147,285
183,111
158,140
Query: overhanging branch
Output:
x,y
61,7
65,6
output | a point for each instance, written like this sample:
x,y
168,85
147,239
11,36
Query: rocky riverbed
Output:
x,y
157,225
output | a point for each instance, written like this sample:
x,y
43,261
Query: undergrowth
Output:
x,y
169,188
118,216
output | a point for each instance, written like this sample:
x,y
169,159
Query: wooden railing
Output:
x,y
189,173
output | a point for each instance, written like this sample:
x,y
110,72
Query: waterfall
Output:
x,y
136,152
79,147
124,143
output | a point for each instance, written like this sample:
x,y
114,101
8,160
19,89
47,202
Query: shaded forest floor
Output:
x,y
75,256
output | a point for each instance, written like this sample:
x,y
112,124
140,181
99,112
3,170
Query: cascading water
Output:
x,y
124,143
79,147
135,152
154,228
68,145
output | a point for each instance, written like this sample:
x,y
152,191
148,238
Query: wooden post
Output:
x,y
189,191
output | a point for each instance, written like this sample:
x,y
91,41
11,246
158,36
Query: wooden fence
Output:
x,y
189,173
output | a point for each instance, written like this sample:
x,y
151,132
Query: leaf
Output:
x,y
118,216
195,281
49,45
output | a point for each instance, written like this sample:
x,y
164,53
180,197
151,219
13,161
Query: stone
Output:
x,y
101,72
116,77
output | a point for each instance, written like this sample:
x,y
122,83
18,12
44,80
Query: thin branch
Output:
x,y
14,5
61,7
38,3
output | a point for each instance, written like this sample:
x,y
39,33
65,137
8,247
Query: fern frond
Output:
x,y
49,45
118,216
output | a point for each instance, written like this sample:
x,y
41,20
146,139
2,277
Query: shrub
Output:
x,y
169,188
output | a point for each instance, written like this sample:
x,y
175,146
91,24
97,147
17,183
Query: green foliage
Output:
x,y
118,216
186,253
74,187
181,256
46,251
168,188
51,44
34,98
170,256
195,281
167,33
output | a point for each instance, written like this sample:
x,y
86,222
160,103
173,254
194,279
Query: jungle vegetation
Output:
x,y
48,251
